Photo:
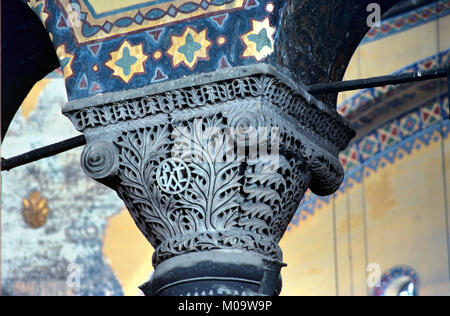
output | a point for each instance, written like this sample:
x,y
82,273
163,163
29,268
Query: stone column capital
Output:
x,y
214,164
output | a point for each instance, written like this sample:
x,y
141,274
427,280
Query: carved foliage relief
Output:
x,y
214,167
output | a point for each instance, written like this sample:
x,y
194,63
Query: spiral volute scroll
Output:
x,y
99,160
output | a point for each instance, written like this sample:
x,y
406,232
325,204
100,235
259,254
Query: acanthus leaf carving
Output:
x,y
216,182
186,173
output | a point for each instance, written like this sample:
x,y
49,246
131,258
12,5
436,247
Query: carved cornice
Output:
x,y
258,81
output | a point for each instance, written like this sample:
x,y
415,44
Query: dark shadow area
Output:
x,y
27,56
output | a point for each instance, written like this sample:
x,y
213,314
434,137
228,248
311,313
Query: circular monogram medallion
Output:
x,y
173,176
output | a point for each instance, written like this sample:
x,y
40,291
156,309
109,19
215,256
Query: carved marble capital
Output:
x,y
217,162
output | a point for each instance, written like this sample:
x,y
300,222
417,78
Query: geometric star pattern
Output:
x,y
127,61
189,48
259,42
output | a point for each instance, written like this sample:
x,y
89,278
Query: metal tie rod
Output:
x,y
334,87
43,152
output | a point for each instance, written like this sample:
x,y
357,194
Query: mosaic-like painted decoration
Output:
x,y
135,43
104,19
127,61
259,42
402,135
40,8
238,33
407,133
66,61
404,22
189,48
